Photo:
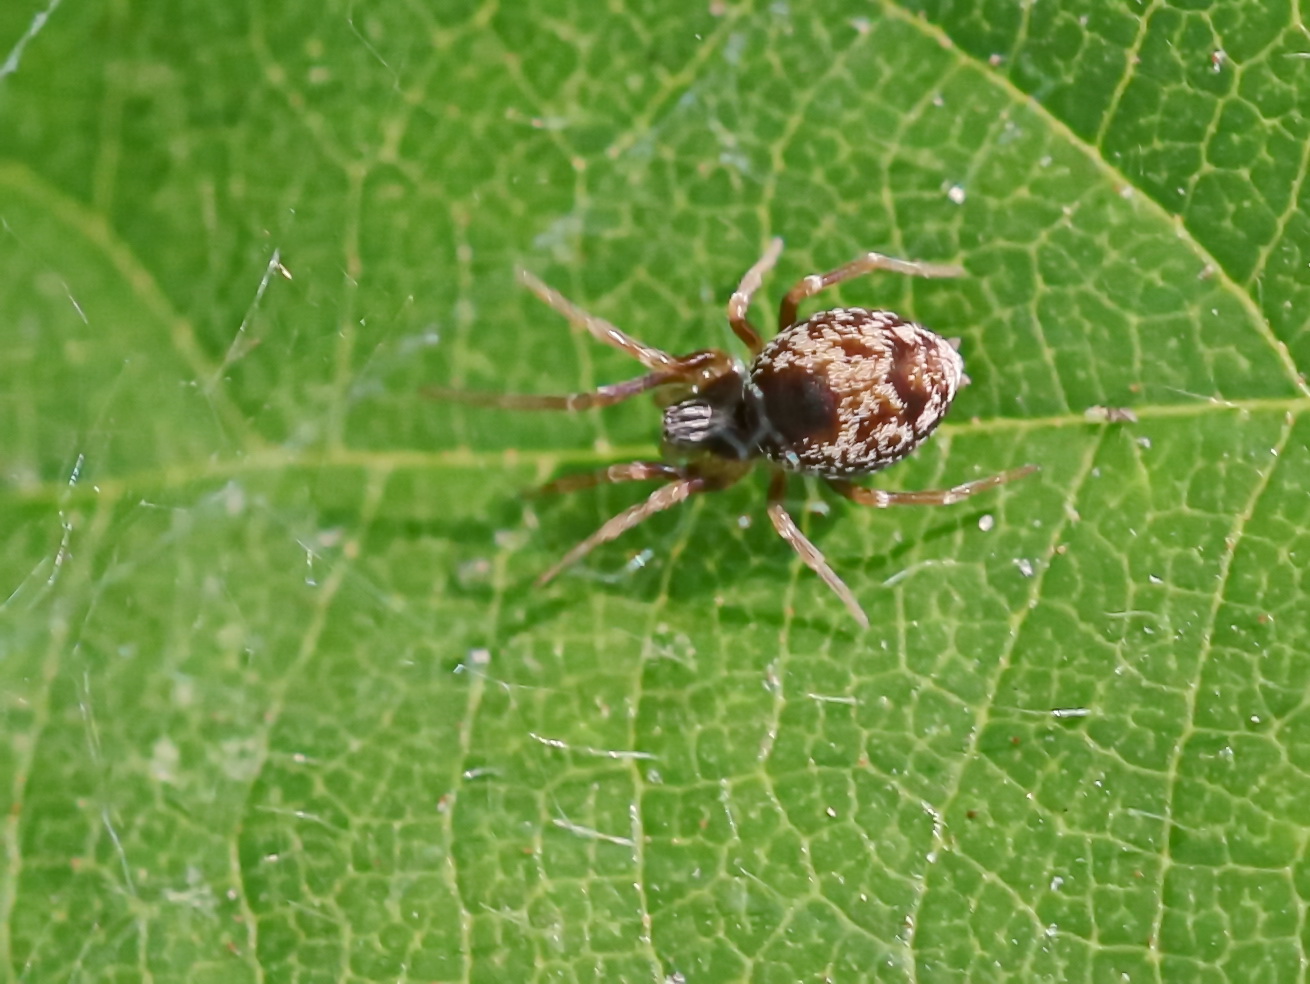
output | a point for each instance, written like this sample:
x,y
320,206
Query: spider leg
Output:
x,y
600,329
602,396
813,557
632,471
662,498
741,298
928,497
815,282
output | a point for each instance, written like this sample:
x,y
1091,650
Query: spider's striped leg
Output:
x,y
815,282
631,471
813,557
662,498
741,297
652,358
926,497
602,396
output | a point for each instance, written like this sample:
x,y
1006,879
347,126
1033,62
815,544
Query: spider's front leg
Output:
x,y
706,474
662,498
601,396
696,368
631,471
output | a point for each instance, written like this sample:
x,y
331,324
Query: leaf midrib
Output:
x,y
392,460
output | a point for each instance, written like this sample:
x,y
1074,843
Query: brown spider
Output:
x,y
845,393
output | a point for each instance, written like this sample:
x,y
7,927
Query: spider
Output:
x,y
842,394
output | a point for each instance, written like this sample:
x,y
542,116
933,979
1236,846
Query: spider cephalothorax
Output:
x,y
718,419
844,393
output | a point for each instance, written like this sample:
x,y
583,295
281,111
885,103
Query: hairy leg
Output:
x,y
815,282
662,498
928,497
813,557
652,358
602,396
631,471
741,298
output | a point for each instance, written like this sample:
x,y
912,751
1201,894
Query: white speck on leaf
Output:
x,y
164,758
240,758
1110,415
475,571
510,539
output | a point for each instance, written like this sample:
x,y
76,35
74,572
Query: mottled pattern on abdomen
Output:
x,y
850,391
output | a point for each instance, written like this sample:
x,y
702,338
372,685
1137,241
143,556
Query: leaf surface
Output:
x,y
281,700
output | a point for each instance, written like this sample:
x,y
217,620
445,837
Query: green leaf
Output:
x,y
281,702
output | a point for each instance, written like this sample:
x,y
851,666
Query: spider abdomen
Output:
x,y
850,391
